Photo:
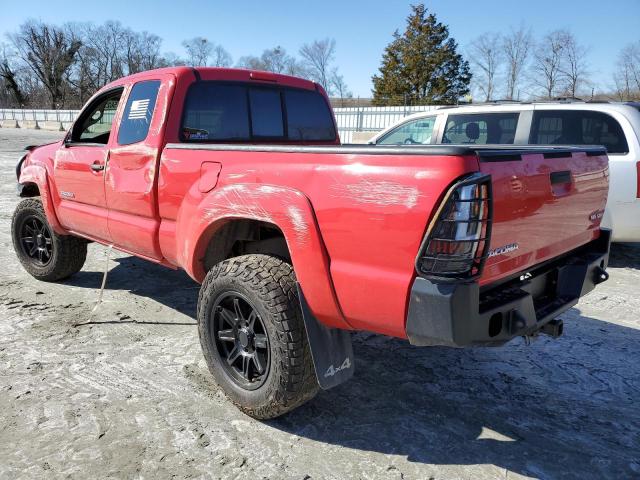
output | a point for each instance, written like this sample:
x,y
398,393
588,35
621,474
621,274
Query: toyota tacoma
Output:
x,y
239,178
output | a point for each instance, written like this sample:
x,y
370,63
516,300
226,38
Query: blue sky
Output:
x,y
361,28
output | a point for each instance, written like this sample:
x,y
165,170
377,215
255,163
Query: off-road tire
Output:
x,y
68,252
269,284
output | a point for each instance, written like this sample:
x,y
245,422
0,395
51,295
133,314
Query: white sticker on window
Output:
x,y
138,109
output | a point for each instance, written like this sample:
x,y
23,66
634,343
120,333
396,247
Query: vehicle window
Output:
x,y
577,127
94,124
417,131
481,128
216,112
266,112
308,116
138,112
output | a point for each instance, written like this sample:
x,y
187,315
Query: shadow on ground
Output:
x,y
173,288
565,408
625,255
562,408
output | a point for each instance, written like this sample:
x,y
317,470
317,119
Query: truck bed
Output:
x,y
373,205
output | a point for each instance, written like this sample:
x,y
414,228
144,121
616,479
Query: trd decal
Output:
x,y
67,194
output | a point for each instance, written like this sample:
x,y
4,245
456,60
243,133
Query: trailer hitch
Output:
x,y
600,275
553,328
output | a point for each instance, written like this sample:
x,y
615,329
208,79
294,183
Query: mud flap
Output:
x,y
331,349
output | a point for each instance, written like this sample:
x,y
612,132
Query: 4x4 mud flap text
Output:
x,y
331,349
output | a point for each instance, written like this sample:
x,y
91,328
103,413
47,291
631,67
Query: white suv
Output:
x,y
614,125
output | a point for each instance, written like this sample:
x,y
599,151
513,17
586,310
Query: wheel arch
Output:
x,y
34,181
234,213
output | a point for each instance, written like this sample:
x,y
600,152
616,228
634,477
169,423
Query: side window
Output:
x,y
94,124
577,127
481,128
215,112
417,131
266,113
138,112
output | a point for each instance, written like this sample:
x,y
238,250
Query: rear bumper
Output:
x,y
465,315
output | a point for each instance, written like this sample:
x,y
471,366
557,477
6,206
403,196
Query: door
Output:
x,y
130,187
79,168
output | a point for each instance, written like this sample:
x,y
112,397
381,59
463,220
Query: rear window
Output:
x,y
308,116
219,112
266,113
215,112
577,127
481,128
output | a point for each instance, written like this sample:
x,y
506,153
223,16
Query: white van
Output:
x,y
614,125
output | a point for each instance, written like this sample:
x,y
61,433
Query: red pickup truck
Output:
x,y
238,177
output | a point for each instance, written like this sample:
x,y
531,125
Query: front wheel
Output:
x,y
43,253
253,337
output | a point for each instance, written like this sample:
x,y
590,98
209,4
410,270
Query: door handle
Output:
x,y
97,167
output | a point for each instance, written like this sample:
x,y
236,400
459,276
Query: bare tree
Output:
x,y
516,47
220,57
573,65
171,59
547,63
251,62
627,76
275,60
339,87
318,57
486,58
10,80
50,52
101,59
199,51
11,83
141,51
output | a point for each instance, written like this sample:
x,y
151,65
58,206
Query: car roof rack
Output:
x,y
556,100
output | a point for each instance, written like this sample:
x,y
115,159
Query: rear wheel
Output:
x,y
43,253
253,336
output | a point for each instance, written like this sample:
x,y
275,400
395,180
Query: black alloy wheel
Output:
x,y
241,340
36,240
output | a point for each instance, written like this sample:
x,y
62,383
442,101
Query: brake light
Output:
x,y
638,180
264,76
457,241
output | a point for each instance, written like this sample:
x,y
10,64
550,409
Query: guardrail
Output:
x,y
350,120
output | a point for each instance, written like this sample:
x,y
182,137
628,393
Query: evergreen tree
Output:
x,y
422,66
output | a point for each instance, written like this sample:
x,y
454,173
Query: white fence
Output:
x,y
371,119
38,115
350,120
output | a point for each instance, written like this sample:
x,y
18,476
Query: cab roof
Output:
x,y
216,73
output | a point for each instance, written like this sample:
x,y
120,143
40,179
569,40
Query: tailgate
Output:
x,y
546,202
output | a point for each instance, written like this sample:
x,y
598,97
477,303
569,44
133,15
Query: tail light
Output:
x,y
638,180
457,241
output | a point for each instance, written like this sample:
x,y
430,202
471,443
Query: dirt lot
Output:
x,y
126,393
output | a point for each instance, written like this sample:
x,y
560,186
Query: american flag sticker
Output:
x,y
138,109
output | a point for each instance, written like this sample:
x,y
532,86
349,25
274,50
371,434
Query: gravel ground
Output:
x,y
125,393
